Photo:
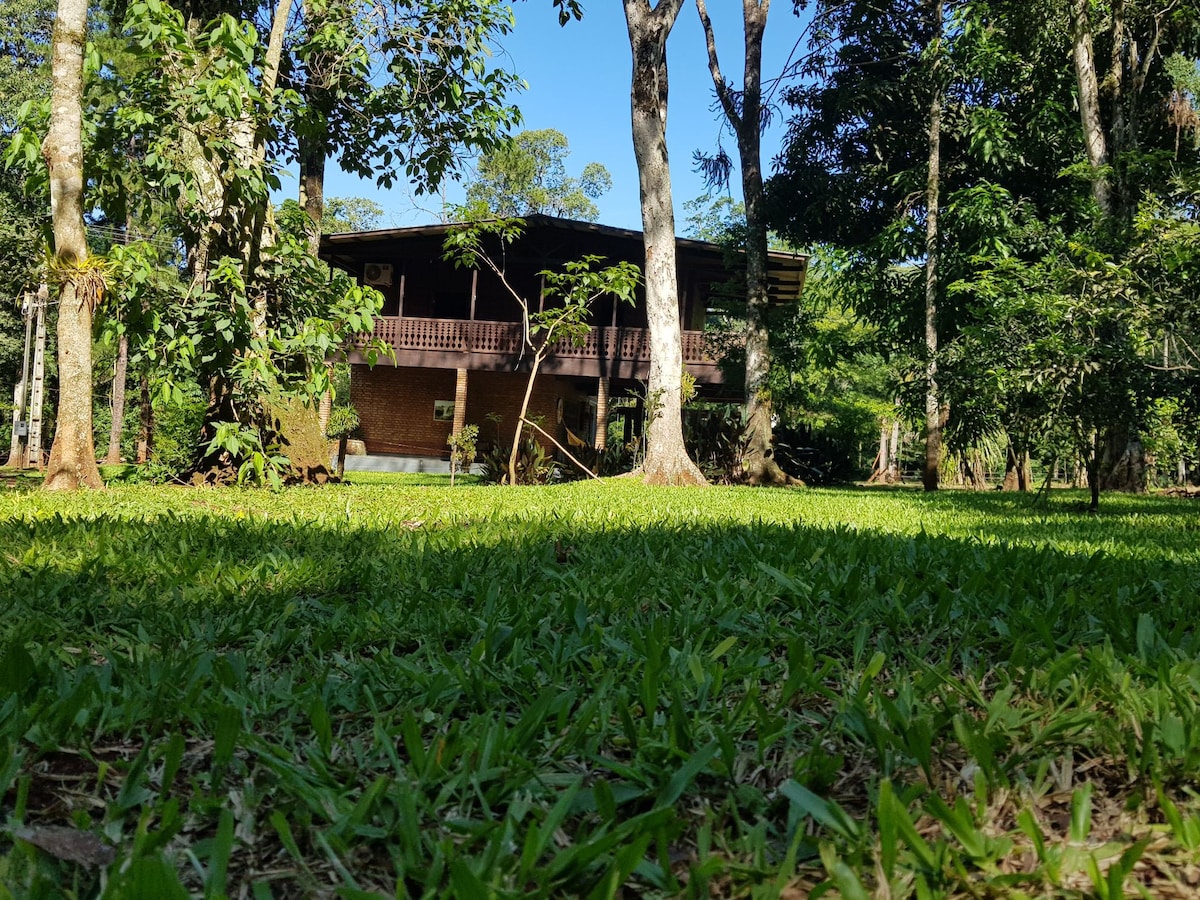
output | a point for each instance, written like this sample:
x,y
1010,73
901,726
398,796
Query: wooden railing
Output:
x,y
504,338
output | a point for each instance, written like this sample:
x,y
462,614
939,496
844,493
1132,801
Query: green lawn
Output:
x,y
597,689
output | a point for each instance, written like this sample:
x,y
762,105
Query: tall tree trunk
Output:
x,y
933,406
120,373
1089,103
666,461
1093,472
312,190
73,455
1120,465
145,420
120,378
744,116
893,468
879,472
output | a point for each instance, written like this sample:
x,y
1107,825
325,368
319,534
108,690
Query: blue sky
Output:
x,y
578,80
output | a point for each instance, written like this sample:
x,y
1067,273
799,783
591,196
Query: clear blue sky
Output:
x,y
578,80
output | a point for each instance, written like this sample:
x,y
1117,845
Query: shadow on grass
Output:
x,y
418,696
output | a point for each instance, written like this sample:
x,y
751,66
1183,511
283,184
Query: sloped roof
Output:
x,y
349,251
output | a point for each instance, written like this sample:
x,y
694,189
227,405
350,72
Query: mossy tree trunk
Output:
x,y
73,455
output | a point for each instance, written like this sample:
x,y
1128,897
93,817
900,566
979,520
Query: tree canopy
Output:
x,y
528,175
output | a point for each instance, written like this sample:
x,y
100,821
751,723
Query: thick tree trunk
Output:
x,y
1017,473
118,402
240,230
73,455
933,406
893,469
666,461
744,115
1011,464
1122,464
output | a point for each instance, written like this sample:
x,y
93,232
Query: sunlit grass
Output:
x,y
397,687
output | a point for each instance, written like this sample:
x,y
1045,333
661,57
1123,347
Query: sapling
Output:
x,y
462,449
575,287
342,421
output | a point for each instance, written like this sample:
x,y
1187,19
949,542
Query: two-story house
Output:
x,y
458,338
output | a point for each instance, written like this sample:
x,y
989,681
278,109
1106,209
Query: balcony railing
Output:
x,y
504,338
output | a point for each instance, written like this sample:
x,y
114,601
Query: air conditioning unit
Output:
x,y
378,274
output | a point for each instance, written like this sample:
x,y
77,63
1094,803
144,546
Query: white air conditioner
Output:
x,y
378,274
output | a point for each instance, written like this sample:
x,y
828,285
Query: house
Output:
x,y
458,338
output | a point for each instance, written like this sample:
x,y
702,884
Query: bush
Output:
x,y
176,432
534,464
615,459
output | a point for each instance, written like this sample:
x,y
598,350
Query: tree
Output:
x,y
217,112
743,111
81,283
341,214
24,76
934,413
528,175
407,86
568,296
1119,131
666,459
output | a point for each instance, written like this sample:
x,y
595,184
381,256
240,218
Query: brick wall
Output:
x,y
396,406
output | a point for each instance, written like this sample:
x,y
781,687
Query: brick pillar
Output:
x,y
601,413
460,401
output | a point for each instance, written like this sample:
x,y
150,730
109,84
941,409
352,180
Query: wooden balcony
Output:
x,y
496,346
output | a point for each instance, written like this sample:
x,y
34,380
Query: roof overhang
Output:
x,y
350,251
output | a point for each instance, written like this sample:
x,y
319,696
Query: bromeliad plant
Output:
x,y
570,293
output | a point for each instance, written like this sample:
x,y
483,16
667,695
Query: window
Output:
x,y
443,410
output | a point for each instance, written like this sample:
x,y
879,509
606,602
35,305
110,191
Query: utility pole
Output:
x,y
20,427
34,445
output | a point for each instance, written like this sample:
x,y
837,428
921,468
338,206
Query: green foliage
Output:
x,y
534,464
462,449
528,175
342,421
881,692
615,459
342,214
409,95
1050,319
24,45
188,129
176,432
1184,103
563,308
717,219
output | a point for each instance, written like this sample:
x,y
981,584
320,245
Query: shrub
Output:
x,y
534,464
